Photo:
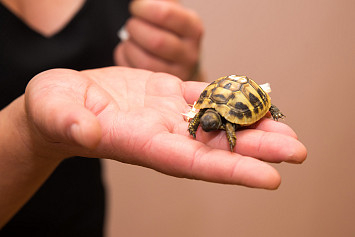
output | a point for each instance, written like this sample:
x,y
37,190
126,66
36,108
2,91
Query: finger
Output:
x,y
120,56
80,124
191,90
137,57
161,43
60,113
176,1
170,16
198,161
266,146
130,54
270,146
269,125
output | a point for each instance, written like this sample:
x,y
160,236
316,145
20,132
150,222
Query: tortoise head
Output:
x,y
210,120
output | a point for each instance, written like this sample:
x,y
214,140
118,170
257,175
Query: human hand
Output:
x,y
134,116
163,37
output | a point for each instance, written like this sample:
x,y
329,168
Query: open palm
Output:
x,y
134,116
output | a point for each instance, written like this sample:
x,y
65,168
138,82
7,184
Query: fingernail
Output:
x,y
75,133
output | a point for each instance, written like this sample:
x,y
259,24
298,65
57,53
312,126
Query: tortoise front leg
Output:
x,y
230,131
276,113
195,121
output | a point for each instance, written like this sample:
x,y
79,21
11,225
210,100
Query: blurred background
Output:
x,y
306,50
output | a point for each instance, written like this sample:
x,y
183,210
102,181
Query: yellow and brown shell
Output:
x,y
236,98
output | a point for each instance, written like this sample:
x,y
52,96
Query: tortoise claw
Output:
x,y
230,132
231,147
194,123
192,133
276,113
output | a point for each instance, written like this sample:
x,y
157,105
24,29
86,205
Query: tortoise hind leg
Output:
x,y
195,122
230,131
276,113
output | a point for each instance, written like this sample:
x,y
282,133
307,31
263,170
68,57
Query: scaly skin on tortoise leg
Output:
x,y
230,131
276,113
195,121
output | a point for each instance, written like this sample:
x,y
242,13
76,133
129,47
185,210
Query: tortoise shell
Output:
x,y
236,98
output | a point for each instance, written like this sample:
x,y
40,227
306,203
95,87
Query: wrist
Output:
x,y
24,141
22,167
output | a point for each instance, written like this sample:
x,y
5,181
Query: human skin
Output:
x,y
164,36
128,115
131,116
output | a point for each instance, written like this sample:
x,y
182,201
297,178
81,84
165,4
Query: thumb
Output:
x,y
81,125
120,56
55,102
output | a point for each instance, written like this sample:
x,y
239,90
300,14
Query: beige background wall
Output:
x,y
306,50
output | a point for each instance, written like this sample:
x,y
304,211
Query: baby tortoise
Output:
x,y
230,103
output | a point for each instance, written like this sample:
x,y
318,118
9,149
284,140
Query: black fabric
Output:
x,y
71,202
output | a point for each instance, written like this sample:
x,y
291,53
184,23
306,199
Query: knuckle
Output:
x,y
197,22
129,23
164,12
157,43
191,55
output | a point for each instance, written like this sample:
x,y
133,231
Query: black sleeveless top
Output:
x,y
71,201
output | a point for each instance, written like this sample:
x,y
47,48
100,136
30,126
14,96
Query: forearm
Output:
x,y
22,168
